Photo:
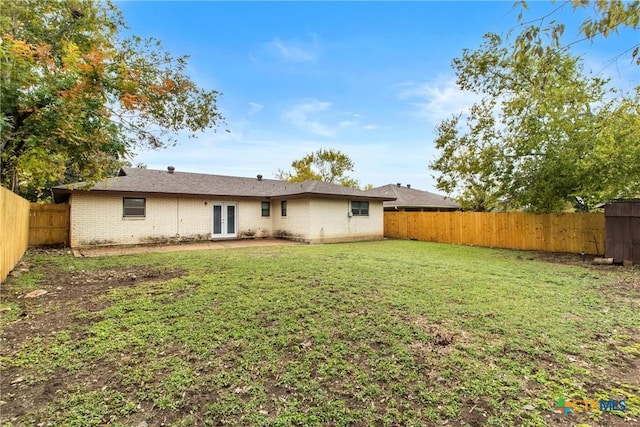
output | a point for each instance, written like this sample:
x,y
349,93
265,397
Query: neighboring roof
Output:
x,y
411,198
149,181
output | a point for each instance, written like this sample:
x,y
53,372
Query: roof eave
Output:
x,y
165,193
331,195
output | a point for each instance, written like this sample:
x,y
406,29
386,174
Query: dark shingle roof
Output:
x,y
149,181
410,197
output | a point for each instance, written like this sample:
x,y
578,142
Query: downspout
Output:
x,y
177,217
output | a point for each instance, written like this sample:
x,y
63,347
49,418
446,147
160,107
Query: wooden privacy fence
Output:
x,y
49,225
565,232
14,214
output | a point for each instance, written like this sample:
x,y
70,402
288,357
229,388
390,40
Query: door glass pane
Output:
x,y
231,219
217,219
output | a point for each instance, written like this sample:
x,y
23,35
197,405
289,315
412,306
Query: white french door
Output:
x,y
225,220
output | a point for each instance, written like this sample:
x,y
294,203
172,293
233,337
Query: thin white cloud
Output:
x,y
254,107
347,123
303,116
296,51
354,120
319,118
436,99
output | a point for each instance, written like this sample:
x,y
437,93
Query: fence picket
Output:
x,y
563,232
14,225
49,224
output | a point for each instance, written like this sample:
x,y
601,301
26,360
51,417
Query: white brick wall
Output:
x,y
296,224
250,219
326,220
97,220
329,221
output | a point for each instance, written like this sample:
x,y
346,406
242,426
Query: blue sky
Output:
x,y
371,79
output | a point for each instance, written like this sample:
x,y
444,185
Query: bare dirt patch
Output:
x,y
576,260
69,293
177,247
63,297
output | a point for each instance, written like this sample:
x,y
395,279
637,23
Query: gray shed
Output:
x,y
622,230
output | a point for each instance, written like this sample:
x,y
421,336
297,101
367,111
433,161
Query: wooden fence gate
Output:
x,y
49,225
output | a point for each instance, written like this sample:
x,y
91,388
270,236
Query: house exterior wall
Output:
x,y
98,220
330,222
322,220
193,216
295,225
250,219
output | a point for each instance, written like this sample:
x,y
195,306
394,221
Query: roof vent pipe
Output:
x,y
259,177
171,169
408,185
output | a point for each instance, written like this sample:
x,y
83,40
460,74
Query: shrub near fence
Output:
x,y
564,232
14,214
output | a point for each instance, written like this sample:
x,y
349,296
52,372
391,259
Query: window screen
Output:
x,y
133,207
360,208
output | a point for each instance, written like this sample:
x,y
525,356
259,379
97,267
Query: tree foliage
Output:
x,y
607,17
545,136
322,165
77,96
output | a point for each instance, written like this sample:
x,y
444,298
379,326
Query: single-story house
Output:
x,y
408,199
152,206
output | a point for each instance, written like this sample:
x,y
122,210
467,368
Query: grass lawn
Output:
x,y
379,333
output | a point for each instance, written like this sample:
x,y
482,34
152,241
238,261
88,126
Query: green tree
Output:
x,y
607,18
77,96
322,165
544,137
